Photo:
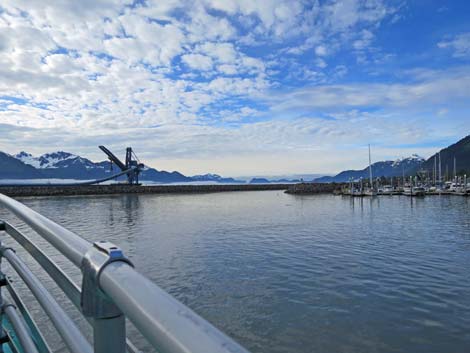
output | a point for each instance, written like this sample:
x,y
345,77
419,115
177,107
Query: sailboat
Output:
x,y
370,191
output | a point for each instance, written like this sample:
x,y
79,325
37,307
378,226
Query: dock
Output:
x,y
398,193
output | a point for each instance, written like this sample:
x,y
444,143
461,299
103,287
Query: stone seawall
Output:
x,y
313,188
51,190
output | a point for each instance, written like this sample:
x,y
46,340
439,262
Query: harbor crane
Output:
x,y
132,166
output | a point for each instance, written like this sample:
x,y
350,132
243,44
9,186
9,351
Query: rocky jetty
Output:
x,y
313,188
51,190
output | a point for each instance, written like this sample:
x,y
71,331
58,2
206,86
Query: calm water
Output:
x,y
297,274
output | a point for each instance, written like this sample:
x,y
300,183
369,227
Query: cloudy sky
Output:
x,y
236,87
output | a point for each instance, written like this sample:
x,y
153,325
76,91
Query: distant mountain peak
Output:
x,y
59,155
66,165
22,154
47,160
414,158
379,169
207,176
215,178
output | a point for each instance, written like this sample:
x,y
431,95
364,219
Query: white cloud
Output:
x,y
430,88
221,52
364,41
197,61
228,69
460,45
320,50
98,71
321,63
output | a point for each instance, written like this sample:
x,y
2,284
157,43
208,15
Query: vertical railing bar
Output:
x,y
41,341
60,278
109,335
71,335
2,276
20,328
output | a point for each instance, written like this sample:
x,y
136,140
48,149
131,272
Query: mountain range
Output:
x,y
411,165
385,168
64,165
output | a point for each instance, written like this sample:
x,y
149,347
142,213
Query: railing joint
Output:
x,y
5,248
5,305
3,226
94,302
109,326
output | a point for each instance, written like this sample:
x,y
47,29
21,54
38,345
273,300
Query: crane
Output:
x,y
132,166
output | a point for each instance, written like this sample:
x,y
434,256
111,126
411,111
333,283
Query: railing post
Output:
x,y
109,335
109,325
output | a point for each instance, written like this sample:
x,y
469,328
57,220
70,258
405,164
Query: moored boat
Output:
x,y
414,191
386,190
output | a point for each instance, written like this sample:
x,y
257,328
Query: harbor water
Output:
x,y
288,273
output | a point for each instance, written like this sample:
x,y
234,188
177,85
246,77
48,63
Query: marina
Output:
x,y
419,190
421,183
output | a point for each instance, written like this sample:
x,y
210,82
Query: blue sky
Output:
x,y
236,87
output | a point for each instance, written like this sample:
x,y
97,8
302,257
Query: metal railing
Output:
x,y
111,292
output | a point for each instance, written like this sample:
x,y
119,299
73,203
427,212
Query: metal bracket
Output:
x,y
5,248
94,302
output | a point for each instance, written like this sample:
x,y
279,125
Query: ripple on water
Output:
x,y
283,273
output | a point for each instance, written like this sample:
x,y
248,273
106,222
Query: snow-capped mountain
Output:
x,y
58,159
215,178
379,169
409,161
65,165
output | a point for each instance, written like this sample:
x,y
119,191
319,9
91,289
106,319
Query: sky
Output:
x,y
235,87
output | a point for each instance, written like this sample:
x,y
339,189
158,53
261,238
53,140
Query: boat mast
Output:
x,y
455,170
370,171
440,169
435,170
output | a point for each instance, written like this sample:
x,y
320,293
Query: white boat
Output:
x,y
414,191
386,190
357,193
456,187
370,192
